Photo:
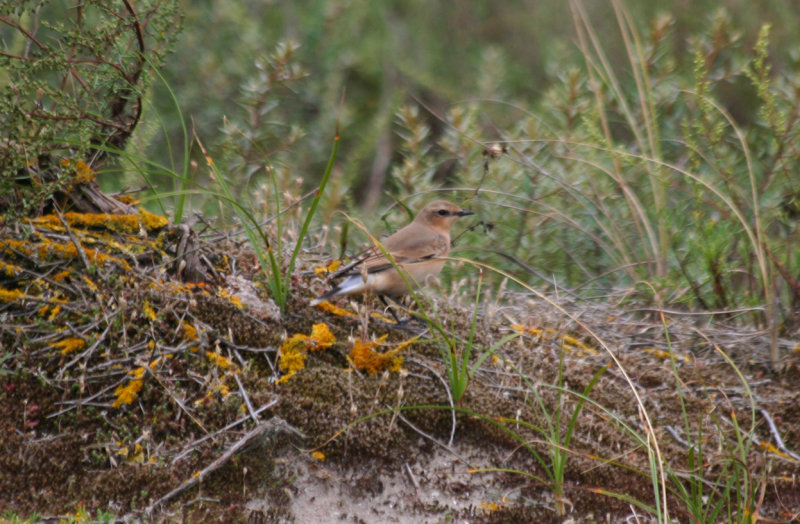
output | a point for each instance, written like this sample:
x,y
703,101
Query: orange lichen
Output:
x,y
69,345
382,318
335,310
364,357
127,393
295,349
318,455
61,275
490,507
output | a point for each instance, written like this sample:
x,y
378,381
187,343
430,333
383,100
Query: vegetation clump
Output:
x,y
167,371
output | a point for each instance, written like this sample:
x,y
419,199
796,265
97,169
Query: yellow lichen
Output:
x,y
660,353
127,393
89,283
10,270
148,311
321,337
223,390
120,223
82,171
136,455
69,345
11,295
189,331
230,297
318,455
219,387
489,507
335,310
47,248
54,312
568,342
293,351
81,515
330,268
219,360
292,358
160,360
526,330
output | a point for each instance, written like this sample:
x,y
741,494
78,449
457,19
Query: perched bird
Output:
x,y
419,249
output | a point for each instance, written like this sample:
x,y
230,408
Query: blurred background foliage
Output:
x,y
581,94
638,150
383,55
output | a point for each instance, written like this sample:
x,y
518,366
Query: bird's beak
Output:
x,y
465,212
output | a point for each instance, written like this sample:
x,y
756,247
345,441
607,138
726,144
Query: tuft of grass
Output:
x,y
271,260
637,176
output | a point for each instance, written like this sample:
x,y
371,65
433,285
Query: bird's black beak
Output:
x,y
465,212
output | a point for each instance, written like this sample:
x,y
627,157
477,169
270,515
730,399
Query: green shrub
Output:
x,y
73,77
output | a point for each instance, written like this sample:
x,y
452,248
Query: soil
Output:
x,y
214,431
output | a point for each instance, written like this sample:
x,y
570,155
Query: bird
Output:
x,y
419,249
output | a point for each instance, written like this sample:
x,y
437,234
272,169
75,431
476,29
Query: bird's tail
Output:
x,y
352,284
322,298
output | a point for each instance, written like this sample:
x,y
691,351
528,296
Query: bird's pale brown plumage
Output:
x,y
418,249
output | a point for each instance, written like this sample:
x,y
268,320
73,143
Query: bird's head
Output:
x,y
441,215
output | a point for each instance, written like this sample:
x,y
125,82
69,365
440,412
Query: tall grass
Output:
x,y
643,179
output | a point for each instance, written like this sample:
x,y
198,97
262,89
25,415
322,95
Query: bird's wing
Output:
x,y
407,246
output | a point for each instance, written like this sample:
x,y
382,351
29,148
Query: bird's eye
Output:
x,y
443,212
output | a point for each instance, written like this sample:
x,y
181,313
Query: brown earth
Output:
x,y
337,444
